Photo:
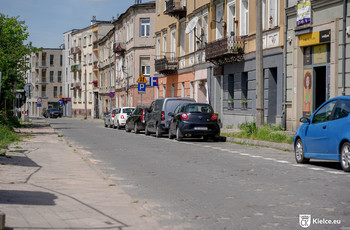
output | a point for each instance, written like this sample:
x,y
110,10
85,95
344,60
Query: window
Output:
x,y
59,76
158,7
264,13
90,77
90,39
183,89
324,113
191,42
205,28
60,90
191,90
157,92
158,47
244,18
164,45
146,70
172,90
231,17
51,60
219,20
164,90
164,2
145,27
61,60
273,13
55,91
84,41
90,58
51,76
173,45
342,109
182,38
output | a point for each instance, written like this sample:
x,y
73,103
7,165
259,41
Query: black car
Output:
x,y
54,113
194,120
137,120
157,119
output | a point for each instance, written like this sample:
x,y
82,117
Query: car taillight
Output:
x,y
143,115
122,117
112,116
214,117
184,116
163,116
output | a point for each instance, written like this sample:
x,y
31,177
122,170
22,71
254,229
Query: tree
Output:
x,y
13,58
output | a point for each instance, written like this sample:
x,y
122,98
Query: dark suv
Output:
x,y
158,119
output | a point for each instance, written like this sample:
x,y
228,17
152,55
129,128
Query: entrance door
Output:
x,y
272,102
97,112
320,87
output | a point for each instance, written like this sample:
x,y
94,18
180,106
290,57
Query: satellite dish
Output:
x,y
191,25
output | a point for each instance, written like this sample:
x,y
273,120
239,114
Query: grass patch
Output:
x,y
7,136
264,133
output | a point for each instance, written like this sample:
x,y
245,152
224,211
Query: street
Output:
x,y
213,185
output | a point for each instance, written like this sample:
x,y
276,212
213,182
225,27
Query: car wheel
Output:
x,y
136,130
105,124
216,138
113,126
345,157
146,131
158,131
110,125
299,152
178,134
127,128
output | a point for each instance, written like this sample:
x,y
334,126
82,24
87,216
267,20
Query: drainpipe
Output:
x,y
284,98
345,9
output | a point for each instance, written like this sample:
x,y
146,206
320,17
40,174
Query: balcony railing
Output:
x,y
225,50
176,8
166,64
119,48
75,50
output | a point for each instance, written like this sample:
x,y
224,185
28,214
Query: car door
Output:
x,y
174,119
338,127
149,120
316,137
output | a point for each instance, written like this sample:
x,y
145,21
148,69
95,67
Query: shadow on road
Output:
x,y
26,197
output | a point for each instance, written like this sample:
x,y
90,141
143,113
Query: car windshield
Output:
x,y
53,109
128,110
198,108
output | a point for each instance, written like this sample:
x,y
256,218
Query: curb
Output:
x,y
282,146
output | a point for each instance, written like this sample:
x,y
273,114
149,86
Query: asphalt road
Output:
x,y
208,185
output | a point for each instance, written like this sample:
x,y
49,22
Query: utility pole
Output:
x,y
259,68
85,94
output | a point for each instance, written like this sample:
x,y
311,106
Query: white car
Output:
x,y
121,116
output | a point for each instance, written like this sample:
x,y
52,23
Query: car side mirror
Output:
x,y
305,120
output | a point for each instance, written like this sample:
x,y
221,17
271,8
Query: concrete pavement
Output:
x,y
46,183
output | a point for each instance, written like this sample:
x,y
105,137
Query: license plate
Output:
x,y
200,128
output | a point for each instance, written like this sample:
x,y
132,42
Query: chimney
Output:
x,y
93,20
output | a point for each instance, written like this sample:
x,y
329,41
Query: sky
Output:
x,y
47,20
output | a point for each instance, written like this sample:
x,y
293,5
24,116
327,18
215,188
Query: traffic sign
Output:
x,y
60,96
141,87
38,105
111,94
39,100
153,81
60,102
28,87
142,79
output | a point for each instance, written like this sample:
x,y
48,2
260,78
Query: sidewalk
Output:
x,y
46,184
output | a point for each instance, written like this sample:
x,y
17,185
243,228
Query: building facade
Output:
x,y
181,34
84,68
317,47
232,51
46,77
134,54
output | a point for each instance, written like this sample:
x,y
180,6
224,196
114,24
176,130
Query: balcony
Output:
x,y
166,65
175,8
75,50
75,68
119,48
225,50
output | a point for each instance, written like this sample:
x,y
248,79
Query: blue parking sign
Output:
x,y
141,87
153,81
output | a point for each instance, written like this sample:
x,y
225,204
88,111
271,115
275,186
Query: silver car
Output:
x,y
109,118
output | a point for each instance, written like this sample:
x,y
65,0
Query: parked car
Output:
x,y
54,113
109,118
194,120
137,120
46,113
325,134
121,116
157,119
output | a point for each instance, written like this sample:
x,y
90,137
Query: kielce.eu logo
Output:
x,y
305,220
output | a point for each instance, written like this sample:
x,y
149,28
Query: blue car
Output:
x,y
325,134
